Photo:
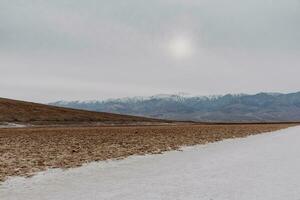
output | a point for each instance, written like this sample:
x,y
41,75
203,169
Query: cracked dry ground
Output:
x,y
28,150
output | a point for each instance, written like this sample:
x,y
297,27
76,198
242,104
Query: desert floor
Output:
x,y
25,151
261,167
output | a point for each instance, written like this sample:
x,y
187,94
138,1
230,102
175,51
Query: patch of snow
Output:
x,y
262,167
175,97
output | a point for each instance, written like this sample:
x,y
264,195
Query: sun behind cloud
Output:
x,y
180,47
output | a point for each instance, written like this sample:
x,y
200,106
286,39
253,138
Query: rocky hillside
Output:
x,y
12,111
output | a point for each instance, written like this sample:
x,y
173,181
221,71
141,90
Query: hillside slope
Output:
x,y
262,107
25,112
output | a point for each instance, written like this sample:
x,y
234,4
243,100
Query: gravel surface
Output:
x,y
25,151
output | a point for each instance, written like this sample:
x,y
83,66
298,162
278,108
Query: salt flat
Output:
x,y
258,167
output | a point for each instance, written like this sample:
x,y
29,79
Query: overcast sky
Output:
x,y
96,49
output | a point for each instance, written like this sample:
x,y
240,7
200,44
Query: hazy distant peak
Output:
x,y
229,107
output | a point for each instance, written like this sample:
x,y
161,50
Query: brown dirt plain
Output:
x,y
25,151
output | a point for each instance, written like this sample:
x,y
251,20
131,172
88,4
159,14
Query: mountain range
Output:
x,y
261,107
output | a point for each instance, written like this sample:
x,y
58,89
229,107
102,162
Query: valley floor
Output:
x,y
261,167
25,151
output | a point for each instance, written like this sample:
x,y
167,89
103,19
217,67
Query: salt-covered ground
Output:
x,y
261,167
11,125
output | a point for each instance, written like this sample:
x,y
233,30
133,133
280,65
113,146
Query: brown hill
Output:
x,y
14,111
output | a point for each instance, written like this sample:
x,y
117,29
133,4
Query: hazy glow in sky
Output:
x,y
180,47
97,49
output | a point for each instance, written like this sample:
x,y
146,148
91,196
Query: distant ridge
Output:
x,y
13,111
261,107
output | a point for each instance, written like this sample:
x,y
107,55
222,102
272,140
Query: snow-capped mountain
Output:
x,y
230,107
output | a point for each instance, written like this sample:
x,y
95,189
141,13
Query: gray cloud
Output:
x,y
52,50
